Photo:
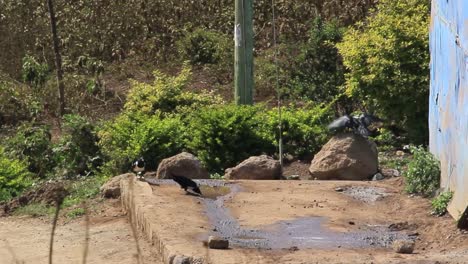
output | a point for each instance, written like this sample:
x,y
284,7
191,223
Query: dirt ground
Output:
x,y
182,222
178,223
26,240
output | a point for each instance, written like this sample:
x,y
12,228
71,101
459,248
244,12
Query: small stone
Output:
x,y
180,259
293,177
400,153
215,242
403,246
378,177
339,189
294,248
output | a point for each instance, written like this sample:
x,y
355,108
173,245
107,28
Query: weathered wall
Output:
x,y
448,117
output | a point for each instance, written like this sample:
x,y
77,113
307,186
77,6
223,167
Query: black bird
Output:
x,y
358,124
139,167
187,184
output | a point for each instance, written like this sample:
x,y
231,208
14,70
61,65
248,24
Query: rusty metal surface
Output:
x,y
448,114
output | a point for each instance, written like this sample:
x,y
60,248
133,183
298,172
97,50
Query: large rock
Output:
x,y
183,164
345,157
256,168
111,189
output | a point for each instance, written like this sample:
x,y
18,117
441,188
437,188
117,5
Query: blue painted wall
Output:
x,y
448,114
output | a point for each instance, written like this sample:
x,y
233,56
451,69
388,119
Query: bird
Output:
x,y
139,167
187,184
358,124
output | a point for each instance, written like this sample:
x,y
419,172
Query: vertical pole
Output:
x,y
243,38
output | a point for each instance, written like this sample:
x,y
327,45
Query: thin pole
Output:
x,y
243,36
278,92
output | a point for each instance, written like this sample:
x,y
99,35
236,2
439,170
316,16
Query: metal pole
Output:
x,y
243,38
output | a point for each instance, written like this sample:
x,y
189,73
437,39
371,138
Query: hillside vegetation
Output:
x,y
154,78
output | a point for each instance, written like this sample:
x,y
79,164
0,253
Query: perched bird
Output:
x,y
187,184
358,124
138,167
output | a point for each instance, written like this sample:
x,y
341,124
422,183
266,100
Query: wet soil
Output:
x,y
299,233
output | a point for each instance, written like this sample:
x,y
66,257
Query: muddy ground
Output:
x,y
266,222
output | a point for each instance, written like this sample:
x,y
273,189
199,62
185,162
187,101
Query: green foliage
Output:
x,y
440,203
205,47
222,136
14,176
304,129
423,175
318,72
77,153
33,72
388,62
83,190
131,136
35,210
17,102
385,139
32,143
77,212
166,95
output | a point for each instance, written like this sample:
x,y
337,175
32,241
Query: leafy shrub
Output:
x,y
32,143
17,102
14,176
33,72
385,139
388,62
131,136
77,153
304,129
423,174
318,72
222,136
205,47
166,95
440,203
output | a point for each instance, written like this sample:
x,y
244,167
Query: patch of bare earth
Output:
x,y
26,239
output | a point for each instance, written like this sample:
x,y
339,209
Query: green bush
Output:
x,y
304,129
33,72
205,47
388,61
77,153
222,136
318,72
440,203
166,95
14,176
17,102
32,143
131,136
423,174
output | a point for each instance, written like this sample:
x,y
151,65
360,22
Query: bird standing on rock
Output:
x,y
187,184
358,124
139,167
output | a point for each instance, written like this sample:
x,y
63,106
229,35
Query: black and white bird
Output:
x,y
187,184
138,167
358,124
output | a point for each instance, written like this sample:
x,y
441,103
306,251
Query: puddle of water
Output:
x,y
306,232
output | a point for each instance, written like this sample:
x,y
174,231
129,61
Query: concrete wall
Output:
x,y
448,116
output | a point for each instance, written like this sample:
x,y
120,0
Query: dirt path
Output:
x,y
111,240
